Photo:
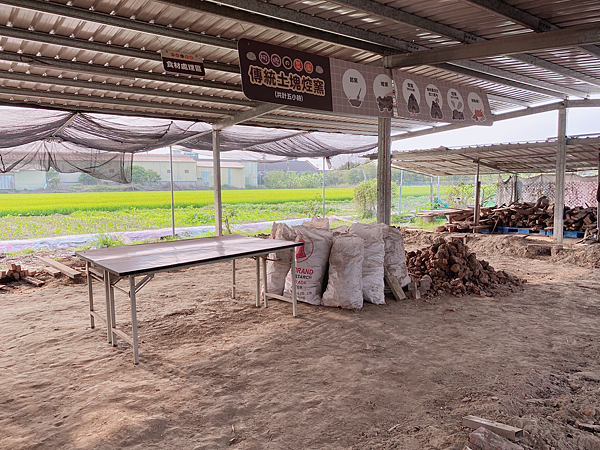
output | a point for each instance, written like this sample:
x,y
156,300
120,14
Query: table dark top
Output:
x,y
171,255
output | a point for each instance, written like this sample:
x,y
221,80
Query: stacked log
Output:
x,y
536,216
449,266
15,273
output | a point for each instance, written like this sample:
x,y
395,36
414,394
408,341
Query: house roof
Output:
x,y
224,164
162,158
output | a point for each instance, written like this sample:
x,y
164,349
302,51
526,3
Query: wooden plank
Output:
x,y
52,271
71,273
395,286
501,429
2,274
34,281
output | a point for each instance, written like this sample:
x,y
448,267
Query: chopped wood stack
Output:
x,y
535,216
449,266
15,273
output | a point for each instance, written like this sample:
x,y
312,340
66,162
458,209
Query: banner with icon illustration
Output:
x,y
284,76
426,99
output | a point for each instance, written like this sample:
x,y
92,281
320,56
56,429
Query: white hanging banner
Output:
x,y
422,98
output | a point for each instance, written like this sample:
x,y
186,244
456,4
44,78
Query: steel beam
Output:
x,y
489,73
106,87
57,96
284,19
567,37
124,74
512,101
246,115
526,19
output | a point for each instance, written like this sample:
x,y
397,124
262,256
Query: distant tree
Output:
x,y
52,179
143,176
87,180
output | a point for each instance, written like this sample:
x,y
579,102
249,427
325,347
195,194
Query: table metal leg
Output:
x,y
108,313
90,293
258,281
264,270
294,299
113,314
134,331
233,279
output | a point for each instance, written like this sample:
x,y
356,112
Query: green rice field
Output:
x,y
67,203
36,215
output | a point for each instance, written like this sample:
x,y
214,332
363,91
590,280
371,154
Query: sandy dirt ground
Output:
x,y
220,373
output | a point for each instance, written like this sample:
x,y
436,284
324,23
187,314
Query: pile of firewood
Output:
x,y
449,266
15,273
535,216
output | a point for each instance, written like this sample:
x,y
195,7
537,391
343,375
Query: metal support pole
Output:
x,y
431,192
477,210
134,330
438,188
217,182
108,315
324,186
384,170
561,162
598,206
400,192
233,279
516,188
172,194
90,294
113,315
257,281
294,297
264,271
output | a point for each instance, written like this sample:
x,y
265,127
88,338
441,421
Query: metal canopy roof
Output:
x,y
528,157
103,55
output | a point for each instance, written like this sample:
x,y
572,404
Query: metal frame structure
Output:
x,y
102,56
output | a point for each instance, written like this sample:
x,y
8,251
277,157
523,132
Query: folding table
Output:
x,y
113,264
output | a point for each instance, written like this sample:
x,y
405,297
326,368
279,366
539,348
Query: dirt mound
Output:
x,y
449,266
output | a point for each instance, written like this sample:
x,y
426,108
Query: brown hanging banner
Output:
x,y
284,76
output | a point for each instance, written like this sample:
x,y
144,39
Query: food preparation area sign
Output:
x,y
284,76
182,63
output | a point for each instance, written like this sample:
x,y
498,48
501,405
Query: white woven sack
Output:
x,y
312,259
344,288
372,272
279,263
394,263
317,222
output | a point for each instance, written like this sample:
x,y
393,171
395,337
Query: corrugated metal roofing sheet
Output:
x,y
526,157
126,61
